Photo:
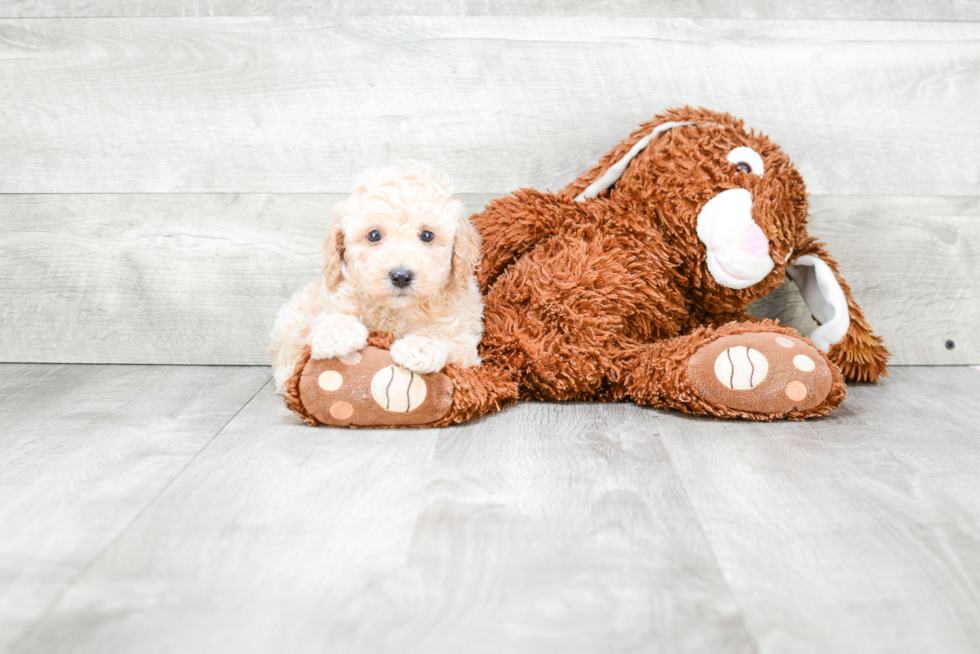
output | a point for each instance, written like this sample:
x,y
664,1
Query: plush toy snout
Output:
x,y
736,248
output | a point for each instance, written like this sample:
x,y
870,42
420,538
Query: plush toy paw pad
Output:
x,y
367,389
397,389
741,367
761,372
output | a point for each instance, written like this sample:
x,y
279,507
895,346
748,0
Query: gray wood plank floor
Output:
x,y
84,450
184,509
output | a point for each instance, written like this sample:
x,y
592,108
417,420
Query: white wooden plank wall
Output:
x,y
168,168
303,105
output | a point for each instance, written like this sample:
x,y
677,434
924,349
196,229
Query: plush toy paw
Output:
x,y
367,389
764,373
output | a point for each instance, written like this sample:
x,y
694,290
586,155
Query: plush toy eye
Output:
x,y
374,236
426,235
747,160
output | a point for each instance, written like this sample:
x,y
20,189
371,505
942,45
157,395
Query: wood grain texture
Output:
x,y
569,534
153,279
198,278
303,104
85,449
831,9
856,533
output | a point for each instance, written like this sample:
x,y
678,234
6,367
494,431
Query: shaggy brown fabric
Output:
x,y
477,391
611,299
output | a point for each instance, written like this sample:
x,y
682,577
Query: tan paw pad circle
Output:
x,y
330,380
351,359
796,391
804,363
741,368
341,410
783,341
398,390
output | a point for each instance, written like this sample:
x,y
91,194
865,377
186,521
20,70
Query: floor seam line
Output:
x,y
711,550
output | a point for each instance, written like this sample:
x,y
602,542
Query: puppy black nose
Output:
x,y
401,278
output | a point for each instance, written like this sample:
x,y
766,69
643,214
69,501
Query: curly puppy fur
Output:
x,y
400,258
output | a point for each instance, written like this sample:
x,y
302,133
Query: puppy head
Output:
x,y
400,237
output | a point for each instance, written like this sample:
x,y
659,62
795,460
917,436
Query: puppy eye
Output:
x,y
747,160
426,235
374,236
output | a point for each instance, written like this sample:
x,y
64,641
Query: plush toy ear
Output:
x,y
824,298
616,170
843,332
333,256
466,252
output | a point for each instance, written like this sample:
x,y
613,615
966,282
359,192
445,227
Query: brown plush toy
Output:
x,y
631,284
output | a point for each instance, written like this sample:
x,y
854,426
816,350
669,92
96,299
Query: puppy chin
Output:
x,y
400,299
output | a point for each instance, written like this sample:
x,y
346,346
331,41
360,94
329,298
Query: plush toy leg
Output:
x,y
751,371
860,354
477,391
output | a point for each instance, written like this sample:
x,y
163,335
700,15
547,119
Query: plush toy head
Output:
x,y
727,198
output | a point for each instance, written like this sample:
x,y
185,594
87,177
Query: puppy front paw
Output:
x,y
336,336
420,353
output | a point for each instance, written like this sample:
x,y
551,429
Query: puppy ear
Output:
x,y
466,252
333,256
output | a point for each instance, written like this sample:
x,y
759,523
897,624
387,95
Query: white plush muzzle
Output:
x,y
737,249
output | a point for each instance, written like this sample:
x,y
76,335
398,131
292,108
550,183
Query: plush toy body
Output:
x,y
632,282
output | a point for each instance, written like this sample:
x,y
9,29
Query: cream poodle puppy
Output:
x,y
399,258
